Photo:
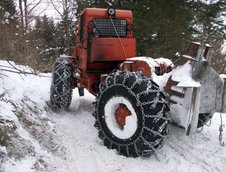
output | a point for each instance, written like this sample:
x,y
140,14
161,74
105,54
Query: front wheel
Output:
x,y
131,114
62,83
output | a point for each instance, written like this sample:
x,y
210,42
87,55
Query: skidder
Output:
x,y
131,111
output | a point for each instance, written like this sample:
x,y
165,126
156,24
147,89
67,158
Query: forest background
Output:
x,y
162,28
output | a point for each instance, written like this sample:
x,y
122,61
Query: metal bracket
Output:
x,y
224,96
193,111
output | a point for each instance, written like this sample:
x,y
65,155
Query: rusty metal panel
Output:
x,y
193,110
112,49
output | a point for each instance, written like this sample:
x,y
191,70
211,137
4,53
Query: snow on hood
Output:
x,y
181,74
153,62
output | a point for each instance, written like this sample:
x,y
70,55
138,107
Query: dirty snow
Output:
x,y
42,140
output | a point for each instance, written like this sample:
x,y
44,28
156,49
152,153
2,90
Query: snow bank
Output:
x,y
27,136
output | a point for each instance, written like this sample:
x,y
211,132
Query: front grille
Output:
x,y
106,27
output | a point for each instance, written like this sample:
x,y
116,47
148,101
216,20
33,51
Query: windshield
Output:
x,y
108,27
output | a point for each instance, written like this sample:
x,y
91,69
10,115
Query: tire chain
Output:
x,y
152,87
61,91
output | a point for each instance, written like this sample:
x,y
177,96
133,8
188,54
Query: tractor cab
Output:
x,y
104,35
103,41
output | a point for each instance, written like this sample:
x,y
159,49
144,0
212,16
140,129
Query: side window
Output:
x,y
81,34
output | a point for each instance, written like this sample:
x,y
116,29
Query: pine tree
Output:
x,y
165,27
43,41
209,27
65,33
160,27
208,20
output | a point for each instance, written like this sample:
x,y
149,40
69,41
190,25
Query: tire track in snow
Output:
x,y
199,152
76,128
196,150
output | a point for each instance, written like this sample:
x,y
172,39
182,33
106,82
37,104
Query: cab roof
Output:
x,y
102,12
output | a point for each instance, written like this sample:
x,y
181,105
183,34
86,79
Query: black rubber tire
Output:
x,y
150,108
204,118
62,84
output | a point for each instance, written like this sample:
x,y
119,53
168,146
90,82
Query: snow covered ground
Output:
x,y
33,138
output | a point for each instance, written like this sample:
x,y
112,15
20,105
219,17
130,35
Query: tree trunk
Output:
x,y
67,27
26,15
21,14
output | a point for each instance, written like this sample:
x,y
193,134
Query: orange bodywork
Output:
x,y
120,115
97,53
136,65
112,49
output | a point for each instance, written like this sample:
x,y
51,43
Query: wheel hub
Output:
x,y
120,115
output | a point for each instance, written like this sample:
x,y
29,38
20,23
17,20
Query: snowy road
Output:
x,y
75,135
200,152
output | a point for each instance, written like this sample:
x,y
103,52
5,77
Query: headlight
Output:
x,y
90,26
111,11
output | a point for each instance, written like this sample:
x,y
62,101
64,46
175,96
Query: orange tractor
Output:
x,y
132,108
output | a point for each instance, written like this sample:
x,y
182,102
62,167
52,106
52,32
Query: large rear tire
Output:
x,y
61,86
145,124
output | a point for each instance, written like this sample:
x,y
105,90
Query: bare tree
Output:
x,y
21,13
67,11
26,9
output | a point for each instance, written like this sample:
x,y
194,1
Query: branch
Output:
x,y
42,11
54,6
12,67
34,6
20,71
24,73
